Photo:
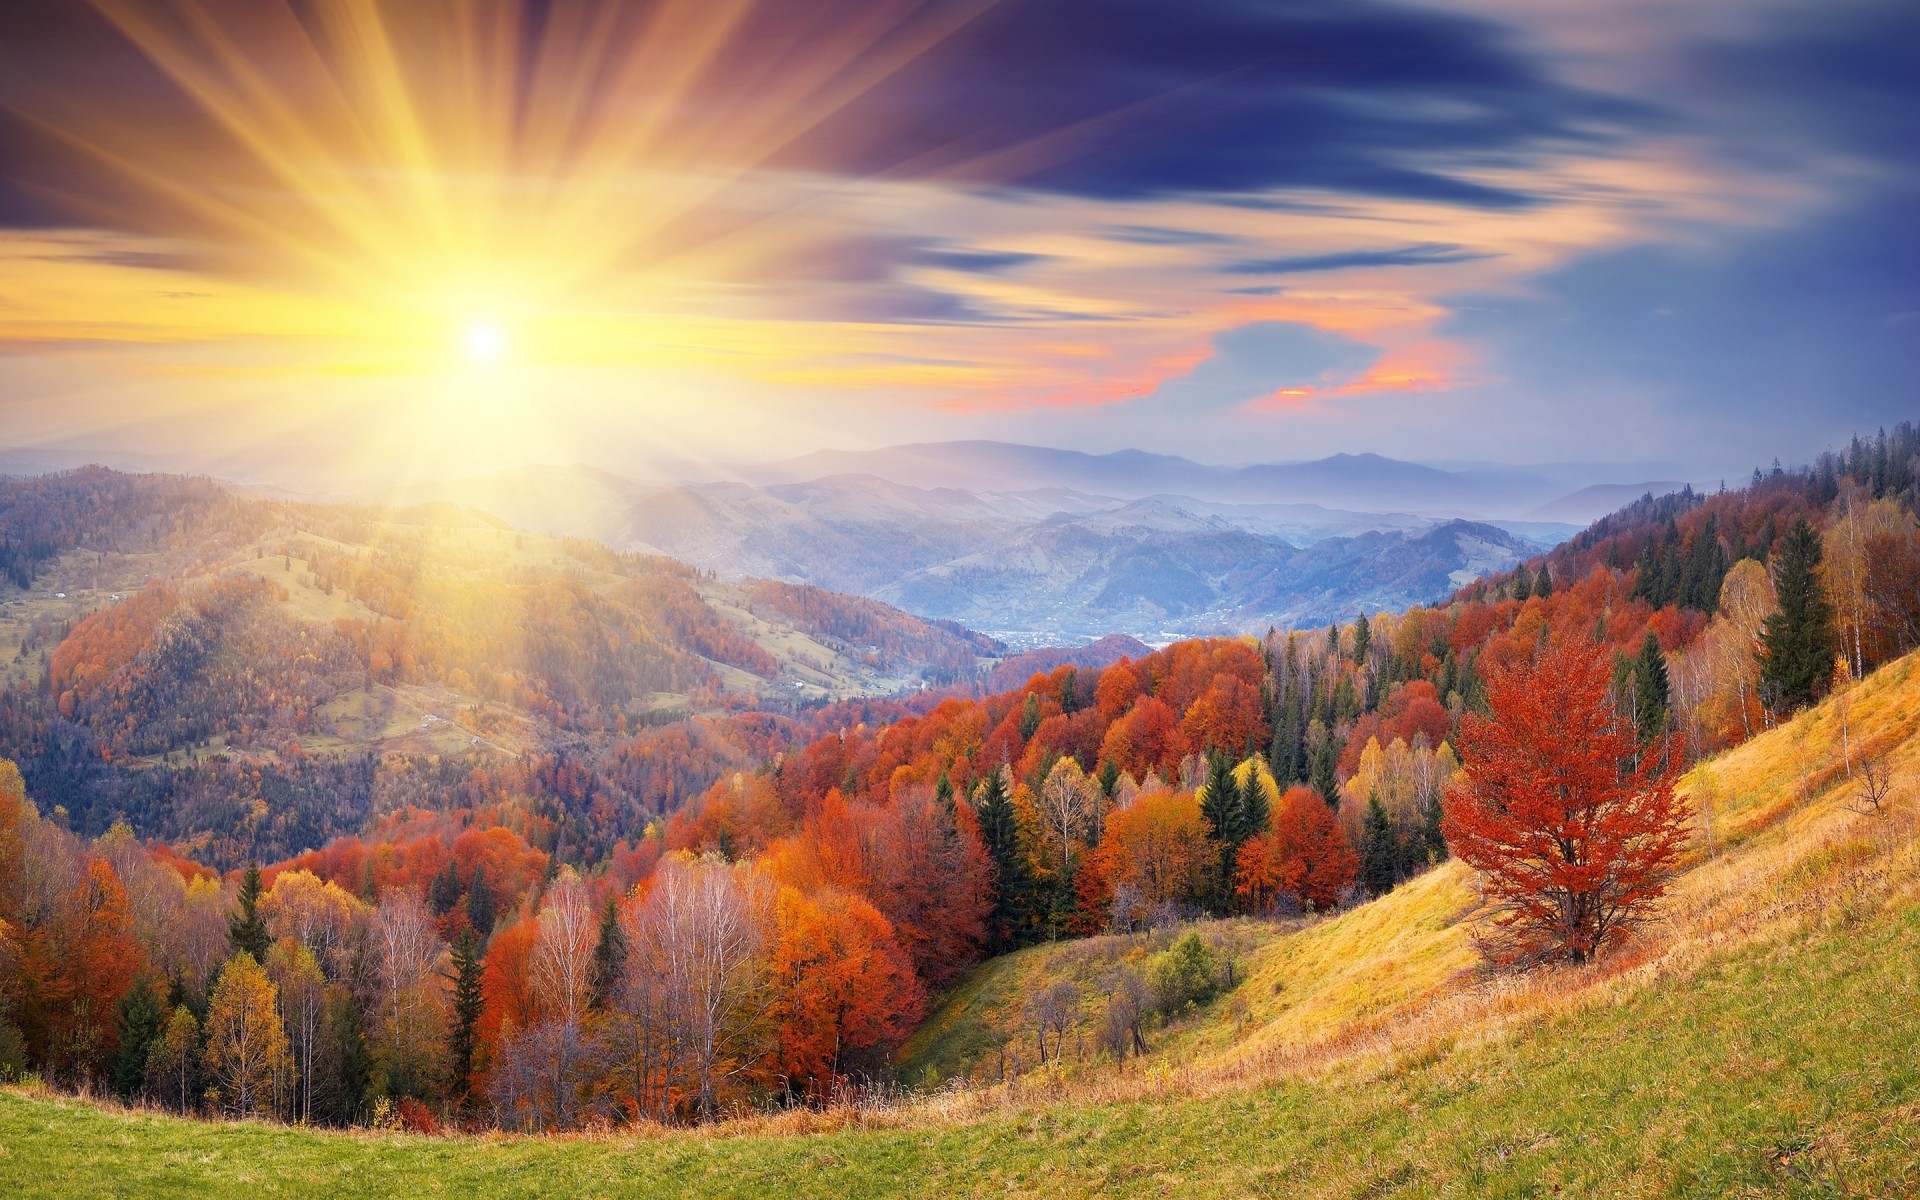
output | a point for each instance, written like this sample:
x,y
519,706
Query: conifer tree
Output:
x,y
1322,778
1651,694
1379,850
467,1004
141,1021
444,892
1000,834
245,928
1543,583
609,958
1362,639
1797,644
1522,584
480,910
1029,716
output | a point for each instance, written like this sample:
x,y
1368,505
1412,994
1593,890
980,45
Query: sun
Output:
x,y
484,342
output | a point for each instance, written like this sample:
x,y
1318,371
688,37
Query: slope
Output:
x,y
1761,1044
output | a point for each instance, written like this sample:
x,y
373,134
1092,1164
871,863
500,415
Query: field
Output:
x,y
1762,1043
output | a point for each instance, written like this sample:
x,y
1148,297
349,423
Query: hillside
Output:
x,y
162,639
1759,1043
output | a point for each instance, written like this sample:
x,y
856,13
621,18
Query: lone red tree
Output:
x,y
1573,826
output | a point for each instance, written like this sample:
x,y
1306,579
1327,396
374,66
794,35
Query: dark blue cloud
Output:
x,y
1142,98
1420,255
1153,235
975,262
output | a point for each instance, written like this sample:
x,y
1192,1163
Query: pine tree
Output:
x,y
1029,716
1798,644
480,911
444,892
609,958
1543,583
1522,584
467,1004
245,928
1379,851
1362,639
1651,692
1000,833
141,1021
1321,775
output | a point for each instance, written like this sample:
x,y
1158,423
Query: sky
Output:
x,y
312,239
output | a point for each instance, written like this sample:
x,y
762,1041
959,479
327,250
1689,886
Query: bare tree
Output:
x,y
705,925
561,964
405,947
1054,1010
1873,787
1129,1000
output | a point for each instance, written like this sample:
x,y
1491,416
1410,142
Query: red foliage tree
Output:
x,y
1574,841
1319,865
842,984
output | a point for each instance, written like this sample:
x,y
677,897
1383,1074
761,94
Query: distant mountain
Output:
x,y
1043,566
1591,503
1363,482
1162,573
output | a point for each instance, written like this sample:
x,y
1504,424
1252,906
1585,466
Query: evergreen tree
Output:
x,y
1220,803
444,892
141,1020
943,792
1109,777
245,928
346,1069
609,958
1434,842
1522,584
1000,833
1362,639
1254,811
1322,773
1379,851
1651,695
1798,644
1029,716
467,1003
1543,583
480,911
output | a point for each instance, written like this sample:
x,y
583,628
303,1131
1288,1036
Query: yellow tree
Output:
x,y
247,1050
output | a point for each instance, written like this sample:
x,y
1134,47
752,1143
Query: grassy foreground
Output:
x,y
1790,1069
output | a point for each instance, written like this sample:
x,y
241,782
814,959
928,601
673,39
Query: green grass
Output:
x,y
1789,1067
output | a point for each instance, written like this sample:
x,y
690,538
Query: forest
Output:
x,y
526,945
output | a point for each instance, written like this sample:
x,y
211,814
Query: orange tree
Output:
x,y
1574,828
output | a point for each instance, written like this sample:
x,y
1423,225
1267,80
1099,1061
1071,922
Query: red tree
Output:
x,y
1319,863
1573,840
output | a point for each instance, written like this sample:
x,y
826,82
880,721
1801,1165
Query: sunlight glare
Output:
x,y
485,342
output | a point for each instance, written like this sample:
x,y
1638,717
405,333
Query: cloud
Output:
x,y
1132,99
1153,235
1262,358
1422,255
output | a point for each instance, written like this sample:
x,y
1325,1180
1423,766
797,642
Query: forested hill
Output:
x,y
249,677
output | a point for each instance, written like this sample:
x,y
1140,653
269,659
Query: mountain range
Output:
x,y
1045,547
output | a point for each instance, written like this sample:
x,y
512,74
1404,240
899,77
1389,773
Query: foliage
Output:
x,y
1574,844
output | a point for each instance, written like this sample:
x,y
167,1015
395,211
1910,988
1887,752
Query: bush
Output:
x,y
1187,973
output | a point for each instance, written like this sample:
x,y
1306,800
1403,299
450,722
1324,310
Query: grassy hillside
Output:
x,y
1761,1043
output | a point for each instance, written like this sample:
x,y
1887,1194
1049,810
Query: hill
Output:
x,y
1759,1043
172,650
